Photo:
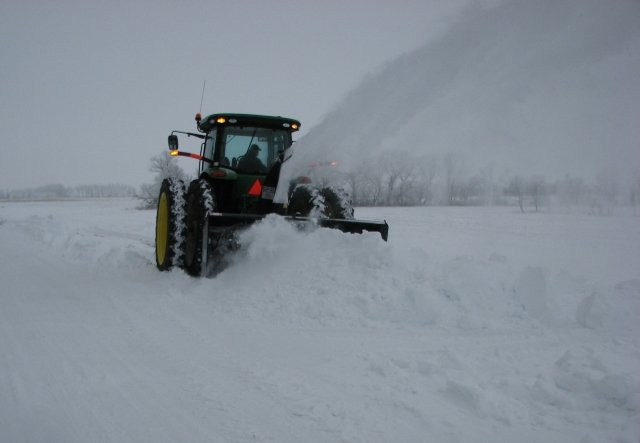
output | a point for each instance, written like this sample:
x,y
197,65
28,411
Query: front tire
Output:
x,y
170,224
329,202
337,203
200,204
305,201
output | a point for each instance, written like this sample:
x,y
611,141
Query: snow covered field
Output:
x,y
469,325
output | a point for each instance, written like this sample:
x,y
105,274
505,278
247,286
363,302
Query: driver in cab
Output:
x,y
251,163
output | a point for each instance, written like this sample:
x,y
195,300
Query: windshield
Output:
x,y
253,150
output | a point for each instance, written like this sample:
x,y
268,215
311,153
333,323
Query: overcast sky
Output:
x,y
89,90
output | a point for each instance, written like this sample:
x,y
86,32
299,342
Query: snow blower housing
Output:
x,y
240,159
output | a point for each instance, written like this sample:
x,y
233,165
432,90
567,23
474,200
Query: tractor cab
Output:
x,y
242,154
245,144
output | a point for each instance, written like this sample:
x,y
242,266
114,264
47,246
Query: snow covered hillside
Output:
x,y
536,87
469,325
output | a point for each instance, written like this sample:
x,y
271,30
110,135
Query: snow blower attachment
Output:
x,y
240,159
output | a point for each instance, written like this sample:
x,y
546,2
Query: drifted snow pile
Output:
x,y
468,325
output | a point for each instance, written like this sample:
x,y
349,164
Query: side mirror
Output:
x,y
173,142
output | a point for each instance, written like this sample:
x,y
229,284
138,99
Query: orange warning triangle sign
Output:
x,y
256,188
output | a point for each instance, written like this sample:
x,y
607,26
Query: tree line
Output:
x,y
406,179
400,179
393,179
61,192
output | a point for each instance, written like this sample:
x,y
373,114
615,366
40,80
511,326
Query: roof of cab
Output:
x,y
248,119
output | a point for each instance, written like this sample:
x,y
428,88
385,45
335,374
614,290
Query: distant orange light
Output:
x,y
173,153
221,120
294,126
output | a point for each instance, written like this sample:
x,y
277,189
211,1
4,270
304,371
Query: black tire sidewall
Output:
x,y
301,201
336,206
197,215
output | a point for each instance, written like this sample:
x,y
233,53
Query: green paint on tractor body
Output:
x,y
240,159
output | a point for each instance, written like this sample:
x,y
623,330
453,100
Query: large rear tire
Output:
x,y
200,204
170,224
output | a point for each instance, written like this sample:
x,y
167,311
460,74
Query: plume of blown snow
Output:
x,y
544,87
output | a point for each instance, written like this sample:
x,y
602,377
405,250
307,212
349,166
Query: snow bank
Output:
x,y
470,324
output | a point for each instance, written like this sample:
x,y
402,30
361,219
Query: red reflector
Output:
x,y
256,188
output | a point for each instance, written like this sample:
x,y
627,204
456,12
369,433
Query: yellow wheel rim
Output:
x,y
162,229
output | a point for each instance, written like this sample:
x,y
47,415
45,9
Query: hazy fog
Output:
x,y
90,90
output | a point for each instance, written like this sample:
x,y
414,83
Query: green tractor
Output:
x,y
240,159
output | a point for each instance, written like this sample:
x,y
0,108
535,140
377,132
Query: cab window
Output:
x,y
209,145
238,141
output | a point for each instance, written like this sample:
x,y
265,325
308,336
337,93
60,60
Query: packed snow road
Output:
x,y
470,325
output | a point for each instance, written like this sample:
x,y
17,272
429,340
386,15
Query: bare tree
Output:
x,y
391,165
366,179
604,194
426,177
515,188
406,177
537,191
454,178
164,166
490,188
